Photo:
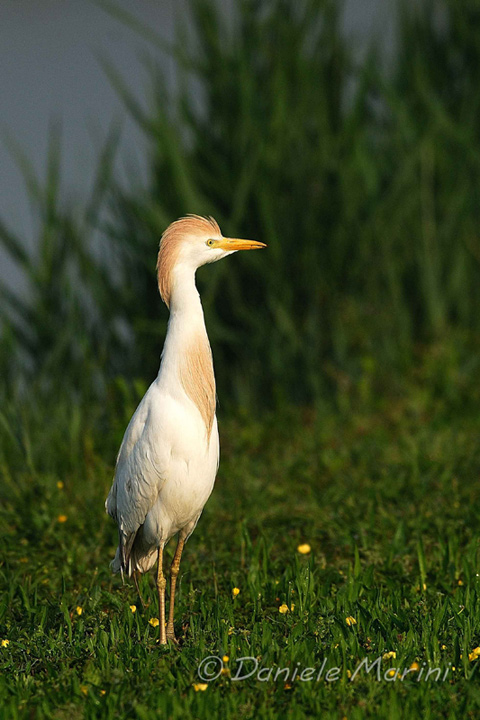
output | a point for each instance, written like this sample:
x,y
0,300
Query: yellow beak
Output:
x,y
230,244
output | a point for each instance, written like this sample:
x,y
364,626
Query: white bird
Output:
x,y
169,456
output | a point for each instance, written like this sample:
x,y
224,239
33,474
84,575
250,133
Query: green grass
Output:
x,y
384,486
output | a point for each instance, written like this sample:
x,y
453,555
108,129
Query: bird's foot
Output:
x,y
171,635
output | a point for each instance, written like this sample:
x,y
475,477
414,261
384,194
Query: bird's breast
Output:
x,y
197,378
189,472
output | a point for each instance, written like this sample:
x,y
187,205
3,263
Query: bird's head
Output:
x,y
190,242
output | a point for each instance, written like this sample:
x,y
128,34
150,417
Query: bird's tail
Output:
x,y
136,560
116,563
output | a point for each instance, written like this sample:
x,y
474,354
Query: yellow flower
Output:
x,y
304,549
154,622
388,655
83,689
415,667
292,607
460,582
350,620
474,655
62,518
225,658
79,610
200,686
235,591
102,692
349,673
444,647
5,643
60,485
133,608
283,609
391,673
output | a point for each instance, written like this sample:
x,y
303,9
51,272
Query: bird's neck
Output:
x,y
187,367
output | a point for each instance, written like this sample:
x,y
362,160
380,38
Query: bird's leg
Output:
x,y
136,575
161,585
174,570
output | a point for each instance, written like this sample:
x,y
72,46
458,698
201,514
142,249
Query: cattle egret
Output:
x,y
168,459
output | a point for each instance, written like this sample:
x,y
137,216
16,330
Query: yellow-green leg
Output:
x,y
161,585
174,570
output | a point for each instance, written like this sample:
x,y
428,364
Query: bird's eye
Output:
x,y
210,242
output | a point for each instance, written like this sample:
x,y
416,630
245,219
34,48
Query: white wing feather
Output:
x,y
140,472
